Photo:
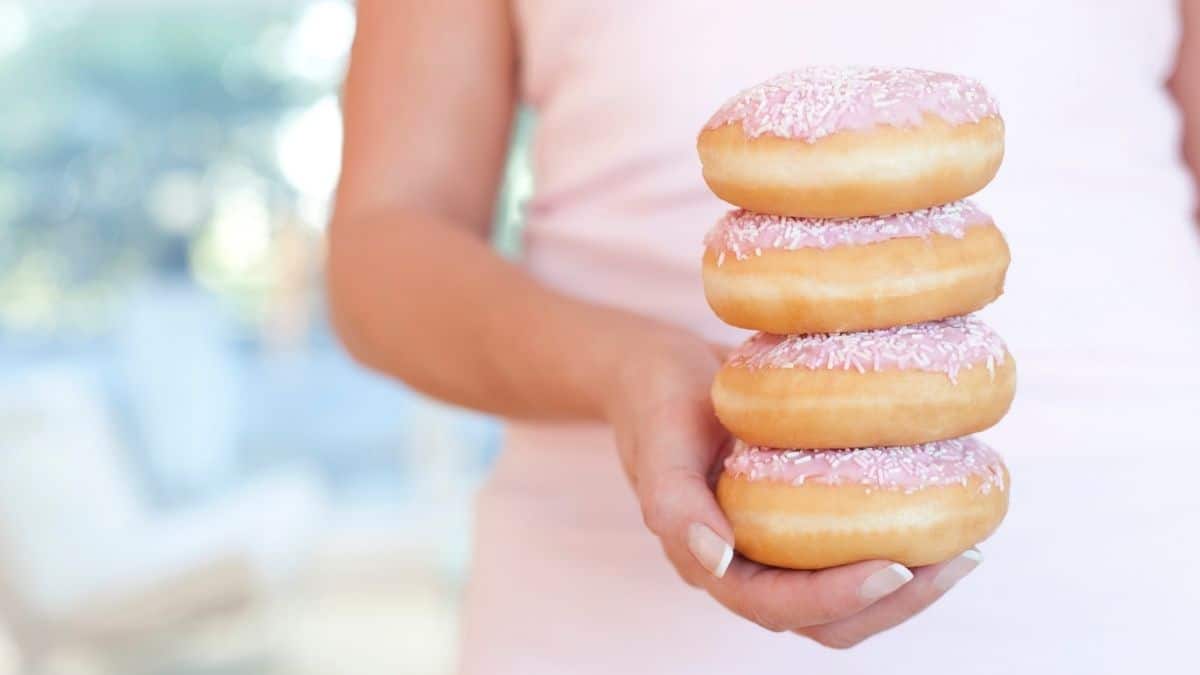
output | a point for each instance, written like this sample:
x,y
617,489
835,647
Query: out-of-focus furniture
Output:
x,y
86,563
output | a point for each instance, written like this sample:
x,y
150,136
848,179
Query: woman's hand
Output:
x,y
671,446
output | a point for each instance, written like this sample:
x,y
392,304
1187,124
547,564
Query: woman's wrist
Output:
x,y
662,365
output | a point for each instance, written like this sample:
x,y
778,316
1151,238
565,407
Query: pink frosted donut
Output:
x,y
916,505
825,142
805,275
895,386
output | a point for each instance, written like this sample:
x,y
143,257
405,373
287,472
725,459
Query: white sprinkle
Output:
x,y
740,232
948,346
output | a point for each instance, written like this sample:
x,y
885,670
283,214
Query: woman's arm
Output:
x,y
1185,83
417,293
416,290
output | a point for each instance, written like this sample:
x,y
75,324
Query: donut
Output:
x,y
894,386
915,505
825,142
781,274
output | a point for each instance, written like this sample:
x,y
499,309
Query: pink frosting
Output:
x,y
946,346
909,468
744,233
814,102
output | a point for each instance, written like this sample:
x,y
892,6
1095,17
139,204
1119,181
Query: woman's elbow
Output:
x,y
368,323
351,314
347,323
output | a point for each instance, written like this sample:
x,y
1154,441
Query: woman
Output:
x,y
600,349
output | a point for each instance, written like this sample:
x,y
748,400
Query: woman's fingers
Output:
x,y
678,506
720,349
674,448
928,584
710,549
673,461
781,600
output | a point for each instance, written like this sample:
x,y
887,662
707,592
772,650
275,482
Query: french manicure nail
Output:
x,y
956,569
709,549
884,582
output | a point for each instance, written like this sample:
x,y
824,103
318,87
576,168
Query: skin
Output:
x,y
418,293
1184,83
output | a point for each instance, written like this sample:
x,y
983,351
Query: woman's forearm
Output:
x,y
431,304
415,292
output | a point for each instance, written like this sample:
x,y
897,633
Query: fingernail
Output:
x,y
885,582
956,569
709,549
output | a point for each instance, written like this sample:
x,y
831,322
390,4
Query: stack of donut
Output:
x,y
855,253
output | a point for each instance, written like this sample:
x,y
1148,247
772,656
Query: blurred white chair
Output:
x,y
173,350
439,506
84,560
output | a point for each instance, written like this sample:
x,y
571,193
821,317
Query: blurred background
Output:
x,y
194,478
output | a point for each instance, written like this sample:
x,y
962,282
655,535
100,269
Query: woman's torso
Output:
x,y
1102,308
